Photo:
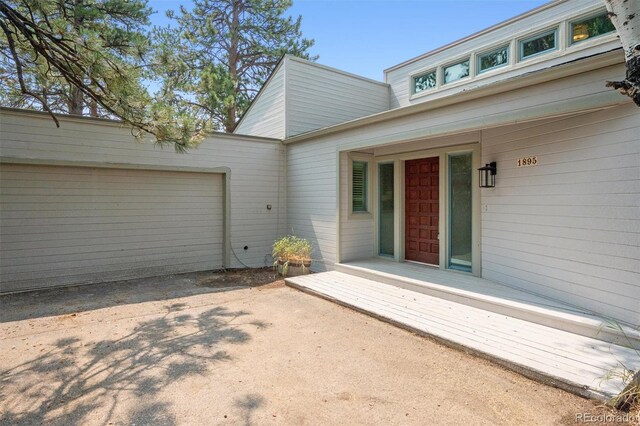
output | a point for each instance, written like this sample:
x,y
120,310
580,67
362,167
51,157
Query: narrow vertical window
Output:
x,y
359,187
460,211
386,209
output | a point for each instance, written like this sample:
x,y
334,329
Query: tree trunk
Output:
x,y
76,101
76,97
93,108
230,119
623,15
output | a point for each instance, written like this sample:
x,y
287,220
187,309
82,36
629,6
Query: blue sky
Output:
x,y
366,36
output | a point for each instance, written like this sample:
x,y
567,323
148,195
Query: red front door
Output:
x,y
422,210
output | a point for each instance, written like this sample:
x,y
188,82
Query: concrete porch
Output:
x,y
550,341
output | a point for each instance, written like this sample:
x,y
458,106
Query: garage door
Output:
x,y
75,225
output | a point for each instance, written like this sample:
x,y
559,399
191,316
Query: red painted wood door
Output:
x,y
422,210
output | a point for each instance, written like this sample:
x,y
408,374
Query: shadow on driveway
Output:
x,y
67,300
74,376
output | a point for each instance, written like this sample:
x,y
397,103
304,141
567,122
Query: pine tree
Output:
x,y
79,56
227,50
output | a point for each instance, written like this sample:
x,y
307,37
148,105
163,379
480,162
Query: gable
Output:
x,y
320,96
301,96
266,114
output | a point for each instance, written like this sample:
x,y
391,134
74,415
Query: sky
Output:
x,y
366,36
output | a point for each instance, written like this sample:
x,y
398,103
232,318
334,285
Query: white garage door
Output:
x,y
75,225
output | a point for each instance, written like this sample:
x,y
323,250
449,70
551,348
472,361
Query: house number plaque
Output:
x,y
527,161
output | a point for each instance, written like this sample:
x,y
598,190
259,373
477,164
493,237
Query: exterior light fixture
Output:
x,y
580,32
488,175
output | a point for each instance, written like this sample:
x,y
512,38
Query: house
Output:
x,y
391,170
369,171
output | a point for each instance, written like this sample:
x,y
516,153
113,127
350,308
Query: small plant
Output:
x,y
630,396
291,251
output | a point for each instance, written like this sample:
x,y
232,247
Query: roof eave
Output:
x,y
567,69
509,21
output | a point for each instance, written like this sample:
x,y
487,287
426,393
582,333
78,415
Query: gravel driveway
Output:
x,y
237,348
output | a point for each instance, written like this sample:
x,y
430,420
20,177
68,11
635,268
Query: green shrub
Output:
x,y
291,250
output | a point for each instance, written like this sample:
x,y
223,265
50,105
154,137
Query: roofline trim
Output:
x,y
262,88
120,123
509,21
337,71
590,63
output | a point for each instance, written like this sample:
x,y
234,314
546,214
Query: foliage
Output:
x,y
630,395
214,61
65,55
457,71
539,44
291,250
424,82
494,59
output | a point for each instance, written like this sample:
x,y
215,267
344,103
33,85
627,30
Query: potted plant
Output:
x,y
292,255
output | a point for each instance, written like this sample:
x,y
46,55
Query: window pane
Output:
x,y
493,59
424,82
592,27
456,72
386,209
359,186
460,211
538,45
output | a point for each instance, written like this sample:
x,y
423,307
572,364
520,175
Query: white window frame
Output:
x,y
420,74
479,55
584,17
552,30
457,62
365,158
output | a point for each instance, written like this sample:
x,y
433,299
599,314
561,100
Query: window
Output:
x,y
591,27
359,185
494,59
456,71
460,211
386,209
539,44
424,82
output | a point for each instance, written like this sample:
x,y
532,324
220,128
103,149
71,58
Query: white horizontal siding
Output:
x,y
312,199
318,96
266,115
597,206
42,246
569,227
356,232
257,172
560,96
399,78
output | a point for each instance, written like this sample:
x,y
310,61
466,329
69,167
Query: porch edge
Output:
x,y
531,373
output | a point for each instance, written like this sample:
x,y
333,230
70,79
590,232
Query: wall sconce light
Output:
x,y
488,175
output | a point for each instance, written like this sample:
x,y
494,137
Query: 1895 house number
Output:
x,y
527,161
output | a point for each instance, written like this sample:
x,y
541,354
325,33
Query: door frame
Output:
x,y
443,226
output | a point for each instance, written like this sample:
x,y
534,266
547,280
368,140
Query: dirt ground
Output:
x,y
241,348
